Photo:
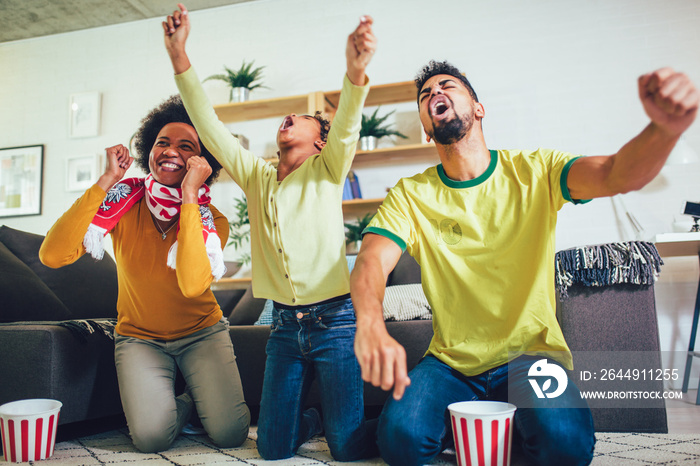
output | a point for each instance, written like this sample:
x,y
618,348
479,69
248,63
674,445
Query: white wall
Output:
x,y
558,74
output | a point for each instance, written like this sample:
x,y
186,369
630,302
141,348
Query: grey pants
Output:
x,y
146,371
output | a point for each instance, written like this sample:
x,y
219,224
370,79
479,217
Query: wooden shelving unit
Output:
x,y
381,94
231,284
357,207
397,153
328,102
394,154
269,108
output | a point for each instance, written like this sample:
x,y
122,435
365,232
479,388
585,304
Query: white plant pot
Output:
x,y
246,271
368,143
240,94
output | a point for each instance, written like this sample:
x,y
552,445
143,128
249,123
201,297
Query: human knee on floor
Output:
x,y
404,443
273,451
562,442
344,450
151,442
231,437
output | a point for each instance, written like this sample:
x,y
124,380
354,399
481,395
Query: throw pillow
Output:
x,y
406,302
266,315
24,296
88,288
247,310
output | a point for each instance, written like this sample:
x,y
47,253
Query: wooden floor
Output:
x,y
683,415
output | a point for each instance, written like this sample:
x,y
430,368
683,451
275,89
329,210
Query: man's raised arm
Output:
x,y
382,359
671,101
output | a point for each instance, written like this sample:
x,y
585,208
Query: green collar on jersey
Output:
x,y
469,183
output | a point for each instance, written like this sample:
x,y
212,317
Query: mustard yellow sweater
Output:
x,y
155,301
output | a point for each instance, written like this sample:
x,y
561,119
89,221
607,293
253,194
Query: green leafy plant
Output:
x,y
246,77
239,231
353,231
374,126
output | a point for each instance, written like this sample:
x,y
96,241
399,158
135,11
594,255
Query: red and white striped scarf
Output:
x,y
164,203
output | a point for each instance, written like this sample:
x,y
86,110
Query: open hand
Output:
x,y
359,50
198,170
670,99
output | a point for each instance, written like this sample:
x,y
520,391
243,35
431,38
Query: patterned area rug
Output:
x,y
116,447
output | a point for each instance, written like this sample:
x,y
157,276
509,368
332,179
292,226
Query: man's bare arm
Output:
x,y
671,101
382,359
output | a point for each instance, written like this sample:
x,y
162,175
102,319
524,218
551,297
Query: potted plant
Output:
x,y
241,82
239,236
353,233
373,129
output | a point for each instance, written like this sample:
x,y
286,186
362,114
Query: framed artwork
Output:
x,y
84,111
81,172
21,171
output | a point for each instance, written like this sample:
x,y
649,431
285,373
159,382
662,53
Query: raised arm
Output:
x,y
359,50
340,149
238,162
382,359
63,244
671,101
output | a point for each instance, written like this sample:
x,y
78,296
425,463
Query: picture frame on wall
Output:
x,y
81,172
84,114
21,177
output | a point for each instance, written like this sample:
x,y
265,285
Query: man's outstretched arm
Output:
x,y
382,359
671,101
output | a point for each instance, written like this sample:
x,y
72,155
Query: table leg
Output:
x,y
691,345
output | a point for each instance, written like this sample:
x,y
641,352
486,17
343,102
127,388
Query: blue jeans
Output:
x,y
415,429
314,341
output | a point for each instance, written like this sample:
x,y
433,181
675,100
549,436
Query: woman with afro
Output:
x,y
168,243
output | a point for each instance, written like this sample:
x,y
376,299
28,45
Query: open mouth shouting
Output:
x,y
287,123
439,106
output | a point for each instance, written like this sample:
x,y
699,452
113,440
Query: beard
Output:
x,y
453,130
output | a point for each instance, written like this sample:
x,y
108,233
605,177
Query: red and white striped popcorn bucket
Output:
x,y
483,432
29,429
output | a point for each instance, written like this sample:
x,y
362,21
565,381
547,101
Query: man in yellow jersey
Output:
x,y
298,254
481,225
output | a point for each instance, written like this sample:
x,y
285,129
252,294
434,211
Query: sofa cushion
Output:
x,y
407,271
24,296
405,302
88,288
247,310
266,314
228,299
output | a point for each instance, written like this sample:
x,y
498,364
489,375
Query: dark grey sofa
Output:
x,y
41,359
38,357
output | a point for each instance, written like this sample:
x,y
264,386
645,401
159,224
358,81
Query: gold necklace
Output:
x,y
164,234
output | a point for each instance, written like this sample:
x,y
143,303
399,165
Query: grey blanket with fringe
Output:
x,y
82,329
635,262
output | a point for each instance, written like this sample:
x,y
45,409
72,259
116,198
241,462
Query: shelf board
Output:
x,y
410,151
378,95
361,206
231,283
265,108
